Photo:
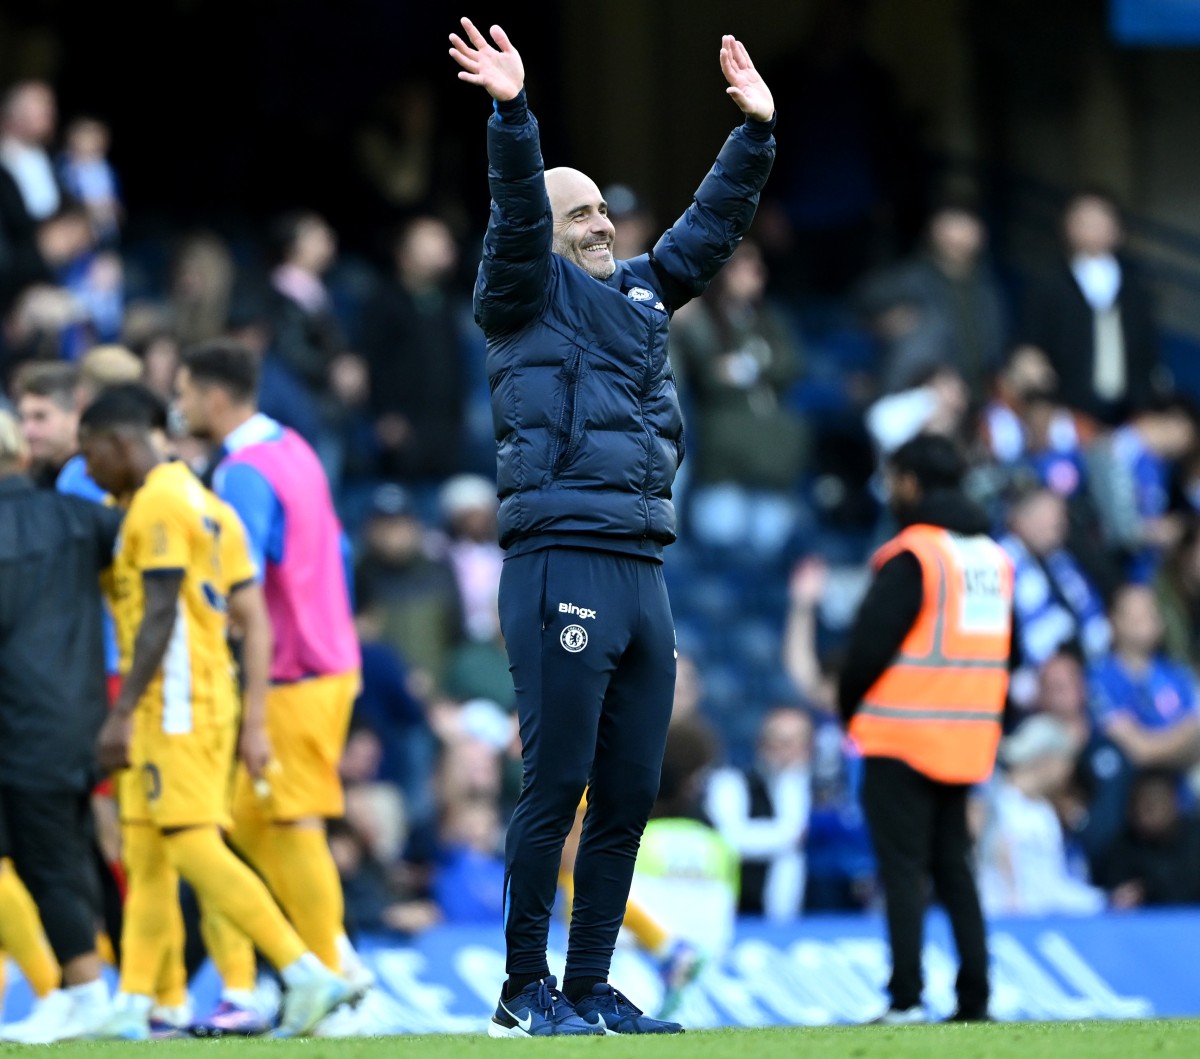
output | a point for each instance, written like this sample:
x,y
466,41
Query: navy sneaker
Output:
x,y
610,1009
538,1010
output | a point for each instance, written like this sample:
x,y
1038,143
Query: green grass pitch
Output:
x,y
1026,1040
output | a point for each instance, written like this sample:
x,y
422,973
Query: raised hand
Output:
x,y
748,90
498,69
808,582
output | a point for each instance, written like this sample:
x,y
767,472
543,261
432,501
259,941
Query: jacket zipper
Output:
x,y
568,414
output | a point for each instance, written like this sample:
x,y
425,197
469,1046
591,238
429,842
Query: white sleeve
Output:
x,y
728,805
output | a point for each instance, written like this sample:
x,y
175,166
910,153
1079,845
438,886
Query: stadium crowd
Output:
x,y
1085,458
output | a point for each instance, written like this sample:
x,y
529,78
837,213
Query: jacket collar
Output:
x,y
950,510
15,483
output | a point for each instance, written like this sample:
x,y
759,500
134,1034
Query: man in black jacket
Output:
x,y
1093,318
922,691
412,340
588,439
52,704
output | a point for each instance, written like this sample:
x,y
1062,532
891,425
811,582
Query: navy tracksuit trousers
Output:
x,y
591,646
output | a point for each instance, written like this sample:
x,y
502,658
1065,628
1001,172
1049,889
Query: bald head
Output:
x,y
564,185
583,234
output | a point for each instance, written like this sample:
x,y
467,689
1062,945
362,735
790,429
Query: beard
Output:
x,y
573,253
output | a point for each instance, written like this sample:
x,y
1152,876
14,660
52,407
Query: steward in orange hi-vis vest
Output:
x,y
923,691
938,707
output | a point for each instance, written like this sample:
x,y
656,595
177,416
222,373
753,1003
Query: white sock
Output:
x,y
90,993
302,970
350,958
172,1014
243,998
135,1003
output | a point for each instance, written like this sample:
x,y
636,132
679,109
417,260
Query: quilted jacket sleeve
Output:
x,y
693,249
511,286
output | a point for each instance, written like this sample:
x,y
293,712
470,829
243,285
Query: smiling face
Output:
x,y
583,234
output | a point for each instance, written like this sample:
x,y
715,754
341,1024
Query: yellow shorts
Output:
x,y
307,723
178,780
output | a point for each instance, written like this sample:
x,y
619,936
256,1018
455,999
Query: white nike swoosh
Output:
x,y
526,1023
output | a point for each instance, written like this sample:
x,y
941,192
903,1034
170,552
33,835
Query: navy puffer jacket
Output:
x,y
588,428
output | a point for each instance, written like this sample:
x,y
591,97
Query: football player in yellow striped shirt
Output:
x,y
173,727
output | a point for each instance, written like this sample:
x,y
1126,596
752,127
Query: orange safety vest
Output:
x,y
938,706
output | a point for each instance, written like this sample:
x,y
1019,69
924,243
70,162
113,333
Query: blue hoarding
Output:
x,y
822,970
1155,22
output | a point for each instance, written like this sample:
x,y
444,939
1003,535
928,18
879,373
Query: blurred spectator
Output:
x,y
1054,604
413,344
21,263
807,584
479,669
416,591
201,287
738,359
378,813
635,224
161,355
763,813
468,883
480,750
839,860
1030,436
1156,860
479,665
92,276
941,308
88,176
281,393
372,903
388,709
39,318
100,368
47,406
307,339
1177,591
307,336
468,506
1025,426
28,116
1062,694
687,875
937,405
1023,867
1093,317
1090,804
1143,702
1130,474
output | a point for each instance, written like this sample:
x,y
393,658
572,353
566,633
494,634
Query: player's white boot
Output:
x,y
62,1015
44,1021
